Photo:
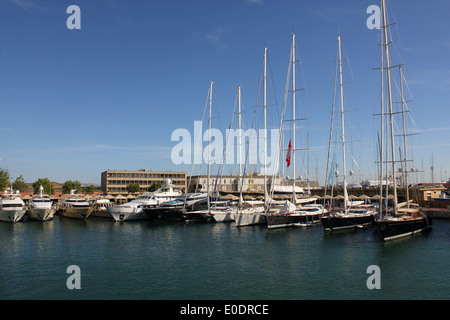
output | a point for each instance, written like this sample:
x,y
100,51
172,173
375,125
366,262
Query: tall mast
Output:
x,y
382,128
389,101
240,145
265,125
404,137
209,140
344,168
293,118
239,131
331,166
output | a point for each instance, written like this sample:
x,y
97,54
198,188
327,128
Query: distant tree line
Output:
x,y
22,186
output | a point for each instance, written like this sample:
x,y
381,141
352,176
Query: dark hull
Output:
x,y
197,217
169,213
283,221
394,229
173,213
343,222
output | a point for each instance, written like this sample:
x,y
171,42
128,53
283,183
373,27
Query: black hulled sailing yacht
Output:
x,y
204,214
350,218
294,214
346,217
409,222
396,222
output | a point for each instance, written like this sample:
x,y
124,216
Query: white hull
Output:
x,y
12,215
76,213
249,218
225,216
126,214
41,214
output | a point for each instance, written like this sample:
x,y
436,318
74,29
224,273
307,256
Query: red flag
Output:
x,y
288,157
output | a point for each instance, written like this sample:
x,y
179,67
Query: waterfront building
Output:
x,y
251,184
115,182
426,194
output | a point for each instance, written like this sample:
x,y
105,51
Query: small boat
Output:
x,y
136,209
12,207
75,207
41,207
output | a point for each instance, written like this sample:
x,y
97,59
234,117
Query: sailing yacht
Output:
x,y
224,212
291,215
395,222
12,207
204,214
135,209
300,212
256,215
346,217
41,207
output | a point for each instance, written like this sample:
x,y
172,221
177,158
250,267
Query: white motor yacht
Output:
x,y
101,206
75,207
12,207
134,210
41,207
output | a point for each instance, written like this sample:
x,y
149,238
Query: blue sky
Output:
x,y
77,102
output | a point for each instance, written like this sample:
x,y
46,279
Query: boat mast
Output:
x,y
382,129
404,137
209,141
294,198
389,101
239,131
240,144
265,126
331,166
344,169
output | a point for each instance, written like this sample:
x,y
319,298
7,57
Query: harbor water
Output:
x,y
155,260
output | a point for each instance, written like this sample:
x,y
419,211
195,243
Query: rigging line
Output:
x,y
251,133
277,155
195,144
224,153
329,169
348,63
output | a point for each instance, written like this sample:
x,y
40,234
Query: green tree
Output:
x,y
71,185
46,184
155,186
4,179
133,188
89,190
20,184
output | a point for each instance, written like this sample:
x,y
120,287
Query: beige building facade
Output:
x,y
115,182
251,183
